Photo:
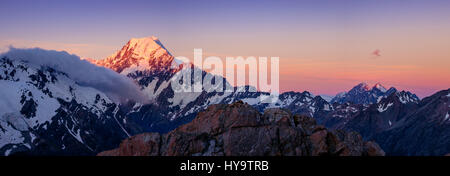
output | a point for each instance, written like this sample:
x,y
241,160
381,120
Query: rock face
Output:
x,y
240,130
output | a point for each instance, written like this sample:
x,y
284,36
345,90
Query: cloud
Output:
x,y
376,53
84,50
117,87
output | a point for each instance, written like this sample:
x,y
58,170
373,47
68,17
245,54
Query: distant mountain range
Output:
x,y
363,94
45,111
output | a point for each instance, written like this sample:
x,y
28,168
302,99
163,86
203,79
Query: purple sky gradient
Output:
x,y
330,42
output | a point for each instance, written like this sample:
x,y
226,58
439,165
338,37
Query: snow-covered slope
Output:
x,y
327,98
43,111
421,131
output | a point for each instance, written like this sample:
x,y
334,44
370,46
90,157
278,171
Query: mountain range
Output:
x,y
46,111
363,94
239,129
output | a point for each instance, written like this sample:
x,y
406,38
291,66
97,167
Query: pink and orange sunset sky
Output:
x,y
325,47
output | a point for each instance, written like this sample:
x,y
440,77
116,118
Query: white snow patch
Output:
x,y
406,99
217,98
152,91
183,99
382,108
123,129
11,93
313,109
77,135
142,65
327,98
8,134
251,101
340,95
380,87
380,98
7,152
307,99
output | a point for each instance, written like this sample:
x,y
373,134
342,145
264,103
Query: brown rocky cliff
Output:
x,y
240,130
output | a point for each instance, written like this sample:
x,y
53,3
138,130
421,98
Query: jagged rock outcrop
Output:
x,y
240,130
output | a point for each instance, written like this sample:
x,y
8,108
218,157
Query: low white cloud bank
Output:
x,y
117,87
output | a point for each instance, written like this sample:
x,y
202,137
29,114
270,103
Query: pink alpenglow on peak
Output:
x,y
145,47
380,87
138,54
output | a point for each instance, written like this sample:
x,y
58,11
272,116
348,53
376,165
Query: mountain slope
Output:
x,y
44,112
382,115
424,131
400,123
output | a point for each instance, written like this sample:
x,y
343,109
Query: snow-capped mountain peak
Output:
x,y
379,87
363,94
327,98
362,86
144,47
138,54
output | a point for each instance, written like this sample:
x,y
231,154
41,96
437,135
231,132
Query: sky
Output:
x,y
324,46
